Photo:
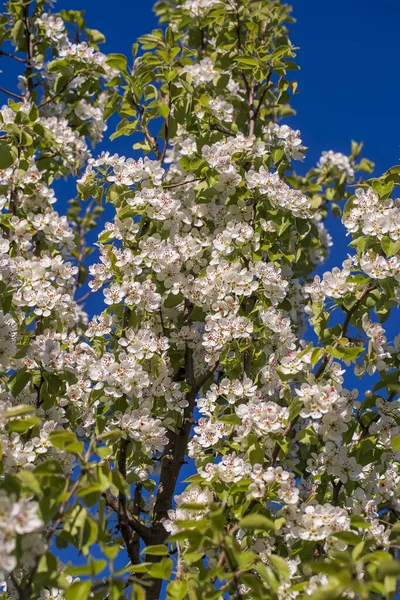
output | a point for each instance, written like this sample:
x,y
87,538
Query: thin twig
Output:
x,y
133,523
16,96
9,55
57,94
326,359
174,185
85,297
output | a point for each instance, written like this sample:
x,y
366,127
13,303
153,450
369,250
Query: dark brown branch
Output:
x,y
204,378
346,324
14,56
171,463
145,130
162,322
122,512
189,367
57,94
82,245
16,96
252,114
29,44
133,523
166,128
174,454
326,359
268,86
215,127
336,490
174,185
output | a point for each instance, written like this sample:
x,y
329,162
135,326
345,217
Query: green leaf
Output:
x,y
230,419
307,436
49,467
138,593
28,479
173,300
348,537
22,425
18,381
20,410
316,355
96,36
345,353
94,567
177,590
388,568
395,443
118,62
162,570
247,61
66,440
358,522
78,590
280,565
389,246
8,156
156,550
120,482
257,521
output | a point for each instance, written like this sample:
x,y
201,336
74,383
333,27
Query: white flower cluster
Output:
x,y
372,216
8,334
221,109
84,53
139,426
277,477
315,521
201,72
331,161
72,145
233,469
45,286
378,352
279,193
143,295
219,330
261,417
334,284
335,461
54,28
192,495
287,138
18,517
198,7
220,155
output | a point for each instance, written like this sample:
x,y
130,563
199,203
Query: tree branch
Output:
x,y
14,56
57,94
133,523
346,323
29,44
326,359
16,96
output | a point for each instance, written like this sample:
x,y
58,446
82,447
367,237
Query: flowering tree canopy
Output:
x,y
214,344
